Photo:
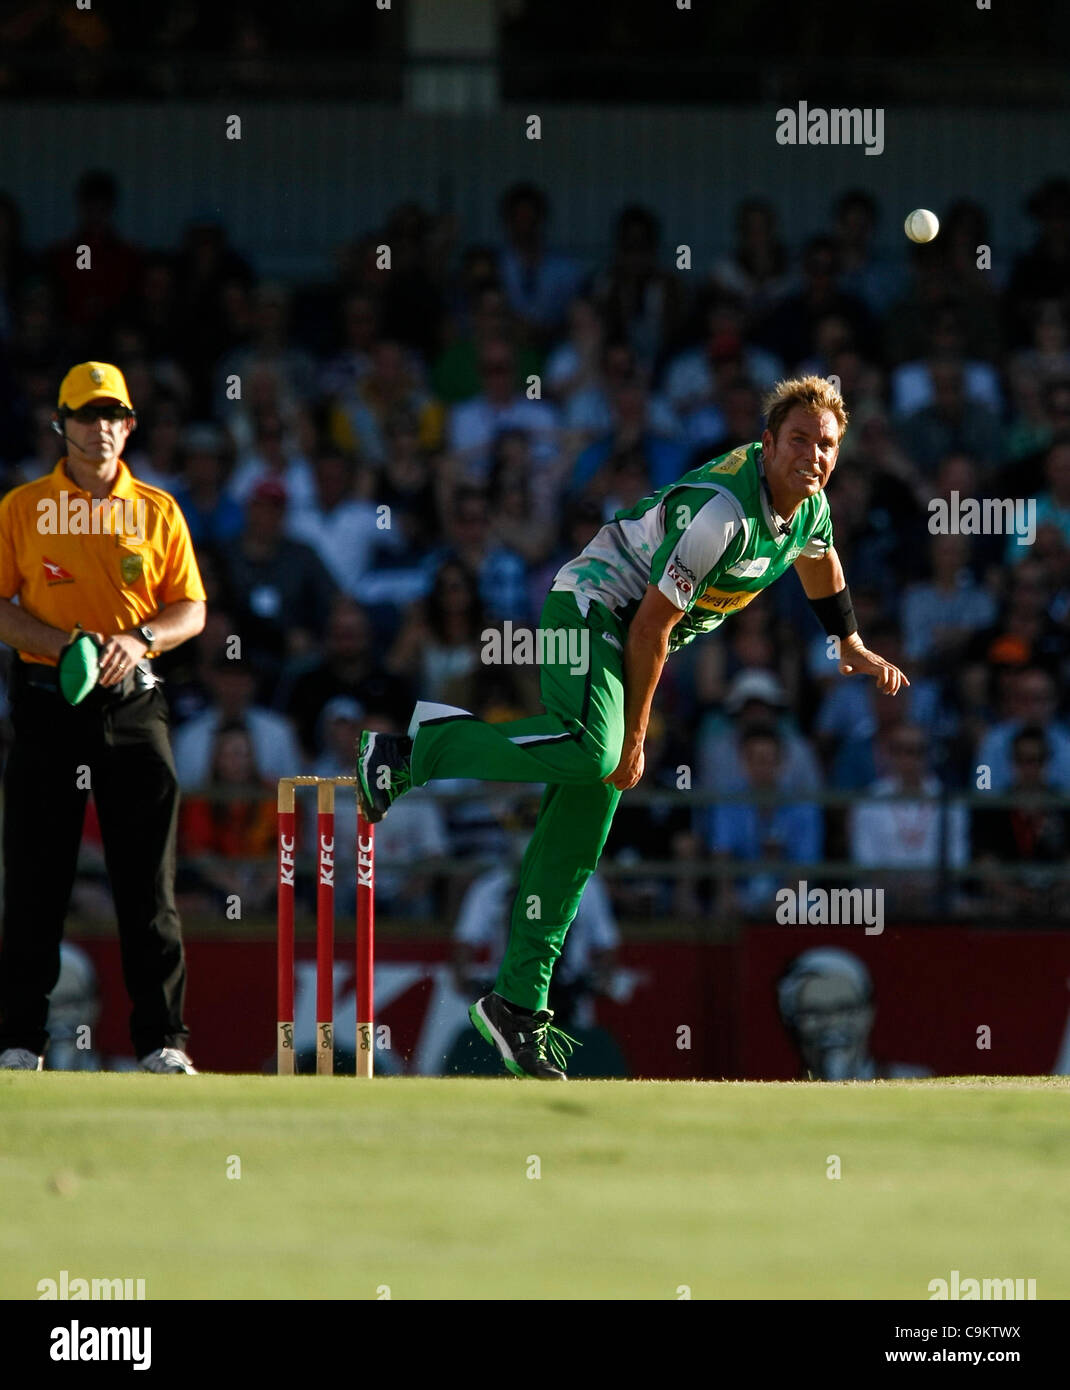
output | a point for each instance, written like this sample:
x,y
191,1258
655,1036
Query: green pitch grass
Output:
x,y
422,1187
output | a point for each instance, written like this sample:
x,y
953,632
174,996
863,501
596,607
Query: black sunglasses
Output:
x,y
90,414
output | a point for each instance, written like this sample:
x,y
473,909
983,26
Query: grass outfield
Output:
x,y
422,1185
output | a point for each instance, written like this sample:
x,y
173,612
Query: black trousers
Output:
x,y
120,749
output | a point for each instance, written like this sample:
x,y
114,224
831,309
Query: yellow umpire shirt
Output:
x,y
108,563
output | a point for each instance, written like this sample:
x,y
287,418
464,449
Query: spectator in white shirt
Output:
x,y
344,530
592,410
755,699
474,424
941,613
273,458
576,363
894,834
233,683
269,348
758,269
538,282
913,384
691,378
1033,701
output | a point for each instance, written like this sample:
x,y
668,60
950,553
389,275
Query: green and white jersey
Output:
x,y
710,542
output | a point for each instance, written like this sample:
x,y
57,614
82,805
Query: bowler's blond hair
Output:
x,y
813,393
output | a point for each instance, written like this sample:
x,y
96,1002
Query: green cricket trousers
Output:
x,y
571,748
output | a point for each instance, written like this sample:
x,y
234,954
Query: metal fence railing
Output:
x,y
948,888
937,888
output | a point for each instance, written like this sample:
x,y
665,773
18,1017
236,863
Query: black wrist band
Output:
x,y
836,613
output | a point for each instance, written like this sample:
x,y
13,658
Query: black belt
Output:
x,y
37,676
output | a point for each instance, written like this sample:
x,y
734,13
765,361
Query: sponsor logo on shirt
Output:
x,y
732,464
724,600
55,573
681,576
751,569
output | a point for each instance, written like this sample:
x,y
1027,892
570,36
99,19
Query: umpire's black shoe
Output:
x,y
383,772
522,1038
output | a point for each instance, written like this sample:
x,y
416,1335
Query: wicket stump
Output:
x,y
365,924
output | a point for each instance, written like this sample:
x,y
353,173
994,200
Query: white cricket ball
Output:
x,y
921,225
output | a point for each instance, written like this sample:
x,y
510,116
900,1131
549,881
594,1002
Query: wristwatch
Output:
x,y
147,635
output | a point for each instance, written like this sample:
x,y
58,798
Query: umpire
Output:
x,y
105,576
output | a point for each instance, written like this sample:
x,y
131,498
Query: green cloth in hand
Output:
x,y
79,667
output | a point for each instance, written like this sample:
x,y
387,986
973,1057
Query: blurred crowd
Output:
x,y
378,469
127,50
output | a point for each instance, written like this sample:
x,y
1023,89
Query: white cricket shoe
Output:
x,y
168,1061
20,1059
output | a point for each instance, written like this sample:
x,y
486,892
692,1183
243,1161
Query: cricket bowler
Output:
x,y
661,573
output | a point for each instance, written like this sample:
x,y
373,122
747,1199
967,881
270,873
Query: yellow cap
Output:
x,y
91,381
